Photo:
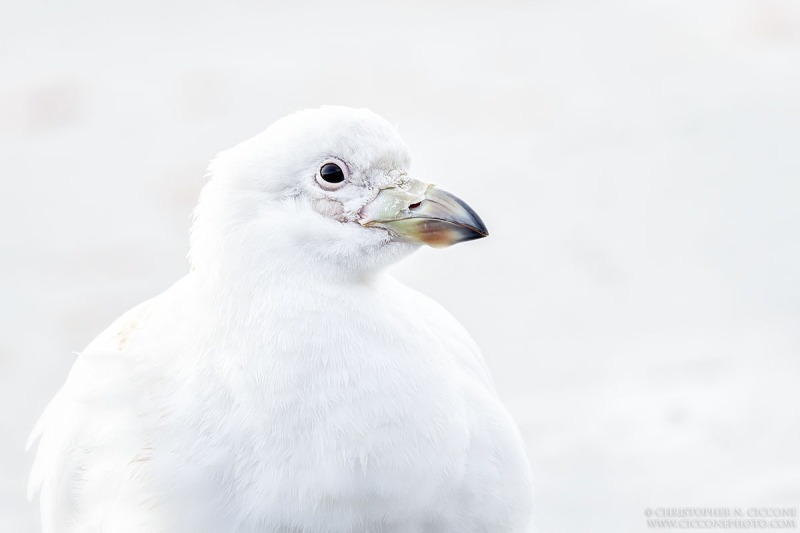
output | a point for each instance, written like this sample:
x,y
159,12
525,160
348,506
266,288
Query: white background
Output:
x,y
637,163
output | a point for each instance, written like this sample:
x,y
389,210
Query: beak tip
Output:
x,y
480,234
478,225
481,227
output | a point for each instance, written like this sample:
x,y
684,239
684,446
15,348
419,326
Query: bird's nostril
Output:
x,y
414,205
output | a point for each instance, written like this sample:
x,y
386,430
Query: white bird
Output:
x,y
287,383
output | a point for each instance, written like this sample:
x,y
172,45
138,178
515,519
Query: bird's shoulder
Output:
x,y
97,401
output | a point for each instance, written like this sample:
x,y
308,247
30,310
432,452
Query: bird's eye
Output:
x,y
331,175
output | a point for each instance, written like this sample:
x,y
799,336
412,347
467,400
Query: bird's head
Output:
x,y
328,186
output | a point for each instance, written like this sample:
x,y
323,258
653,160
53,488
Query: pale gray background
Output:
x,y
637,162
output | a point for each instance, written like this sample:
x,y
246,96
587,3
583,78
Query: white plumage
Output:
x,y
288,384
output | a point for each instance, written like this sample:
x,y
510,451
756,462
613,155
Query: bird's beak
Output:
x,y
418,212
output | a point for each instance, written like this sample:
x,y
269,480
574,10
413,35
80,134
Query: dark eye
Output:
x,y
332,173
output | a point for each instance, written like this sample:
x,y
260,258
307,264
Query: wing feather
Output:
x,y
77,430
